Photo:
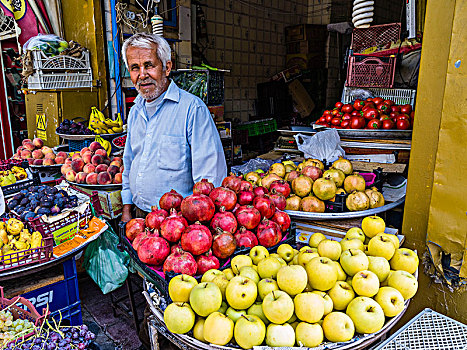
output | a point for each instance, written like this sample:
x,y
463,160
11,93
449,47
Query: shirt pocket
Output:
x,y
171,153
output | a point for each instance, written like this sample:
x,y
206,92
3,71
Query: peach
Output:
x,y
65,168
26,141
77,165
117,159
50,156
81,177
48,161
59,160
30,161
68,160
91,179
84,150
25,154
37,162
46,149
112,170
118,178
101,167
70,176
116,163
102,152
18,150
107,161
122,168
87,156
75,156
37,154
94,146
104,178
89,168
29,146
62,154
97,159
37,142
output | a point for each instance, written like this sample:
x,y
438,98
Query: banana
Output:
x,y
117,129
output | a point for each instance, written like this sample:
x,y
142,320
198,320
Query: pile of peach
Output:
x,y
37,154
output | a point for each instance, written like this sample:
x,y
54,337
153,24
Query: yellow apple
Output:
x,y
341,295
249,331
404,259
309,307
257,310
292,279
250,272
390,300
322,274
308,249
280,335
222,282
353,261
355,232
218,329
233,314
205,298
180,287
372,225
308,335
404,282
351,243
366,314
241,292
286,252
379,266
198,330
258,253
278,306
223,308
328,304
179,318
209,275
338,327
229,274
306,255
265,286
341,276
315,239
365,283
381,246
329,249
239,261
268,267
392,237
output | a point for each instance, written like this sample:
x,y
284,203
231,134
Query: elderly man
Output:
x,y
172,141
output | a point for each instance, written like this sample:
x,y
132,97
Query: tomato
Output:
x,y
356,113
394,114
345,124
395,108
370,113
329,118
378,100
338,105
357,122
346,116
388,124
406,109
389,102
335,112
358,104
369,99
383,107
322,119
412,115
347,108
403,116
368,105
403,124
374,124
336,121
384,117
326,112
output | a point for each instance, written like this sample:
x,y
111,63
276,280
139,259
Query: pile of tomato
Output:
x,y
373,113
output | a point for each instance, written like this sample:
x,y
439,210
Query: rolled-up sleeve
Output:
x,y
127,160
207,154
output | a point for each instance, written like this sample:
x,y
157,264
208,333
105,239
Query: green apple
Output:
x,y
330,249
404,282
365,283
372,225
351,243
380,266
328,304
338,327
280,335
180,287
305,256
218,329
278,306
404,259
265,286
341,276
366,314
233,314
257,310
209,275
205,298
390,300
241,292
322,274
198,330
292,279
308,335
353,261
239,261
286,252
179,318
309,307
258,253
355,232
341,295
268,267
381,246
392,237
249,331
229,274
250,272
315,238
221,281
223,308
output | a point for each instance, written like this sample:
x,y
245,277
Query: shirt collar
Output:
x,y
172,93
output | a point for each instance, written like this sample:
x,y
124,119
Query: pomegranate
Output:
x,y
269,179
289,177
260,191
335,175
223,197
180,262
173,226
138,239
293,202
269,233
280,186
376,198
203,187
174,247
265,206
224,220
170,200
252,177
344,165
245,186
245,197
153,249
223,244
198,207
302,185
312,172
282,219
155,217
196,239
278,169
232,182
278,199
206,262
134,227
245,238
354,182
312,204
357,200
324,188
248,216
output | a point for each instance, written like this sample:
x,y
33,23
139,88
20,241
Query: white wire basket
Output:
x,y
399,96
429,330
8,27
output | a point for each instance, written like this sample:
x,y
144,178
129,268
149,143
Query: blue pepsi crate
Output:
x,y
78,145
62,297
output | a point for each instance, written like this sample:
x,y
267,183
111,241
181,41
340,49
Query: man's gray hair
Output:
x,y
147,41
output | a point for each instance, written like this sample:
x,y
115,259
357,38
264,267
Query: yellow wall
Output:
x,y
436,192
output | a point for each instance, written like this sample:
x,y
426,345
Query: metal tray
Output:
x,y
45,167
370,134
109,187
88,137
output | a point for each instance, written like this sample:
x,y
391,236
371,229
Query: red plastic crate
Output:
x,y
369,71
364,38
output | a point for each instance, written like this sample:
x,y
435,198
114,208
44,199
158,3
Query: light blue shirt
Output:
x,y
174,148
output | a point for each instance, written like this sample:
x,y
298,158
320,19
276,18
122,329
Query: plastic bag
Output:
x,y
252,165
105,264
322,145
50,44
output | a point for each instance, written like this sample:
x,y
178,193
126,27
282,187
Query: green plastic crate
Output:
x,y
258,127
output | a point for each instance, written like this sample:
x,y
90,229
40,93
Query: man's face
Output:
x,y
146,72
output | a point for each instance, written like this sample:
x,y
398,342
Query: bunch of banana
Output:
x,y
102,125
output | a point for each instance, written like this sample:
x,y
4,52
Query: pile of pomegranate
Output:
x,y
191,235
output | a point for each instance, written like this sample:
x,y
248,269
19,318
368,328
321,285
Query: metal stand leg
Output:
x,y
132,303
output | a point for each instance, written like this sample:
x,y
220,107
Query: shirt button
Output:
x,y
140,174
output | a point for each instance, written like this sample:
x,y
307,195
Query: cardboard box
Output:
x,y
111,202
302,100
